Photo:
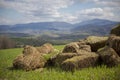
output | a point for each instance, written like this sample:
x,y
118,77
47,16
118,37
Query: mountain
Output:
x,y
94,27
61,29
36,27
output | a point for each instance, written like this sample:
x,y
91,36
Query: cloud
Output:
x,y
49,10
91,13
34,6
38,10
109,3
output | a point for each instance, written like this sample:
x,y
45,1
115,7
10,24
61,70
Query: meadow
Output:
x,y
7,73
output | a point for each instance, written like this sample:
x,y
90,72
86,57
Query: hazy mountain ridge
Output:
x,y
95,27
90,27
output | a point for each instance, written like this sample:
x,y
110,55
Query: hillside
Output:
x,y
6,72
56,32
94,27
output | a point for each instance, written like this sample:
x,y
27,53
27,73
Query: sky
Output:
x,y
71,11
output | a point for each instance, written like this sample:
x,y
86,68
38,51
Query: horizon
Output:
x,y
58,22
71,11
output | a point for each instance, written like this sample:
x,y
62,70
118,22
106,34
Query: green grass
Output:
x,y
97,73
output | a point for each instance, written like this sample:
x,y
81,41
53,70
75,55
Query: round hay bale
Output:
x,y
114,42
96,42
108,56
71,48
79,62
116,30
29,60
46,48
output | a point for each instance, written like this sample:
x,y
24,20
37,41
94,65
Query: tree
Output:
x,y
6,42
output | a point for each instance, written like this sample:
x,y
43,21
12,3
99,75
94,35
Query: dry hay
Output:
x,y
96,42
84,52
63,56
116,30
29,50
18,62
45,48
79,62
108,56
114,42
30,59
71,48
81,42
74,47
85,47
59,58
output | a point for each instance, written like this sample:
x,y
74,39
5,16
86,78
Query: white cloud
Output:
x,y
91,13
31,6
48,10
110,3
38,10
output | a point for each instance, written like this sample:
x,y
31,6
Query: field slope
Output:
x,y
6,73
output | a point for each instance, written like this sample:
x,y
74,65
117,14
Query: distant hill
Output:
x,y
61,29
94,27
36,27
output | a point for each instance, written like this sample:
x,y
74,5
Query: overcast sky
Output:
x,y
72,11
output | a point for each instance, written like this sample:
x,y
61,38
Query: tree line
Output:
x,y
6,42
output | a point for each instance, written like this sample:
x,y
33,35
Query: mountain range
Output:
x,y
58,29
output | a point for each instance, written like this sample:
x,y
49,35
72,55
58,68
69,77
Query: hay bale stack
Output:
x,y
108,56
30,59
71,48
79,62
58,59
116,30
96,42
46,48
114,42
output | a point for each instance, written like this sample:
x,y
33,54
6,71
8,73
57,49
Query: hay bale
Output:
x,y
116,30
108,56
30,59
71,48
59,58
79,62
46,48
114,42
84,52
74,47
85,47
29,50
63,56
96,42
18,62
81,42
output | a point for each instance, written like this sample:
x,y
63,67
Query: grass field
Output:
x,y
97,73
